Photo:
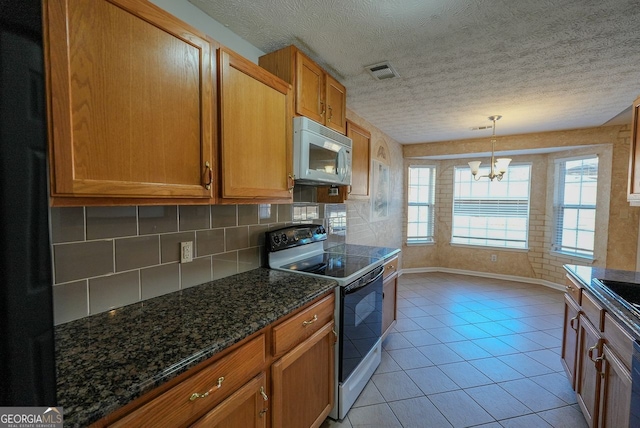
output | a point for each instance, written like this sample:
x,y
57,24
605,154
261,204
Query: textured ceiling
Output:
x,y
543,64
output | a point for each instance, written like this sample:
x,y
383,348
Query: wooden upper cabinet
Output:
x,y
360,159
255,132
318,95
130,101
309,88
633,194
336,114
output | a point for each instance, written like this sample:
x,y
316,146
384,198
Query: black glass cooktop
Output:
x,y
332,264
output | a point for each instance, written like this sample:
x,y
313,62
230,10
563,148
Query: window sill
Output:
x,y
491,248
572,256
419,243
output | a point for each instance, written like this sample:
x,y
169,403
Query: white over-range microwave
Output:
x,y
320,155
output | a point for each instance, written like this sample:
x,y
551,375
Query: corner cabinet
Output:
x,y
318,95
130,101
360,159
255,142
633,192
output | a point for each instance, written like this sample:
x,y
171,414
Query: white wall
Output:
x,y
190,14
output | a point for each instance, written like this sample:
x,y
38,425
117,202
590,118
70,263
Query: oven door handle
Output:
x,y
355,288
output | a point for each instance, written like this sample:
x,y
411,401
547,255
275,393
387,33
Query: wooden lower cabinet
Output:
x,y
303,382
234,390
588,373
570,338
389,295
246,408
615,404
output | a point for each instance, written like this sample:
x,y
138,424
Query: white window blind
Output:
x,y
420,206
491,213
575,205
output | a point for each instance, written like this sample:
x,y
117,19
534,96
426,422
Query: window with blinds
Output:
x,y
420,205
491,213
576,182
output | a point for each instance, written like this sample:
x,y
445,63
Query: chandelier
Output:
x,y
498,166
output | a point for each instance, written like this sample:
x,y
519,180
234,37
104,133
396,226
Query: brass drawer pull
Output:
x,y
264,394
197,395
311,321
569,288
263,411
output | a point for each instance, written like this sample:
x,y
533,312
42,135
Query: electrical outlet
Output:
x,y
186,252
494,257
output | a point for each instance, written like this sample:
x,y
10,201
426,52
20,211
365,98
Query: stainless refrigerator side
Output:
x,y
27,354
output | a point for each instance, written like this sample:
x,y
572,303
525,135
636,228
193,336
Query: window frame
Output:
x,y
525,242
430,206
558,193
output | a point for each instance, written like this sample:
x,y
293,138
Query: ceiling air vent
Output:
x,y
382,71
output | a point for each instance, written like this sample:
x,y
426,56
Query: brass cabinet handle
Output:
x,y
330,114
263,411
264,394
207,167
197,395
333,329
290,182
311,321
569,288
590,352
322,107
571,322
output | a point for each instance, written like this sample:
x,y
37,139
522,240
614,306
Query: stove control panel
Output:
x,y
294,236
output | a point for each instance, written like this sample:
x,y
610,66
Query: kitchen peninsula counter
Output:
x,y
107,360
616,306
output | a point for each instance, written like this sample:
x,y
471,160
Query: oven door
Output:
x,y
360,321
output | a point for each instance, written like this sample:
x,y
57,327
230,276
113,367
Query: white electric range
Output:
x,y
358,312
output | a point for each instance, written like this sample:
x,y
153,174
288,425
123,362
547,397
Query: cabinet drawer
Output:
x,y
592,310
390,267
574,289
175,406
620,342
302,325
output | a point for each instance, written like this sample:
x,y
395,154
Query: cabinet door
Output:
x,y
360,159
255,131
245,408
303,382
131,97
634,165
615,405
336,99
309,89
389,288
570,339
588,374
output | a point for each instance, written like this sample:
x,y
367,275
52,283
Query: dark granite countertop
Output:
x,y
586,275
364,250
107,360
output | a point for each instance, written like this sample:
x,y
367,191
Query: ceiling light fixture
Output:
x,y
498,166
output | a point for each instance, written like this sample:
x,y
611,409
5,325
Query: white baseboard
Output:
x,y
524,279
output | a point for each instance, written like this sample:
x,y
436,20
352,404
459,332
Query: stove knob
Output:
x,y
284,238
320,230
276,239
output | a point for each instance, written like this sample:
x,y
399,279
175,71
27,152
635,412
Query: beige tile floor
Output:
x,y
469,351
